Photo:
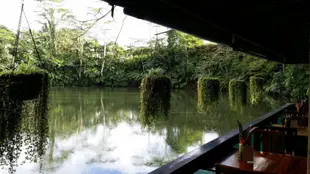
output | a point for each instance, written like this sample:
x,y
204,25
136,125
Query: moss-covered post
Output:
x,y
208,92
155,94
256,89
237,94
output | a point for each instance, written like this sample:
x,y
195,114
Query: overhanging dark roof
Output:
x,y
275,29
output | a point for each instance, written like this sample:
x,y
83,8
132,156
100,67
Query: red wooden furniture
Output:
x,y
275,140
265,162
223,169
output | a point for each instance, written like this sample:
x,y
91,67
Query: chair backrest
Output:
x,y
295,113
275,140
305,107
295,121
223,169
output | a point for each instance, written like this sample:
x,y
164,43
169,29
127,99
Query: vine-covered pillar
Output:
x,y
256,89
155,94
208,92
237,94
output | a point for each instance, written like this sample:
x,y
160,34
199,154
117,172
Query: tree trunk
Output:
x,y
81,67
52,30
103,60
81,61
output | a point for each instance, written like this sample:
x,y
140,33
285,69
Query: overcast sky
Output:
x,y
134,29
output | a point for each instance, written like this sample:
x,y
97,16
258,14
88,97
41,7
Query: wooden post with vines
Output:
x,y
208,92
155,95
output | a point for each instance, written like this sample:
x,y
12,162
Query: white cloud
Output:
x,y
134,29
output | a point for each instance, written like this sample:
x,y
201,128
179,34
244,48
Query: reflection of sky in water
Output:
x,y
99,131
123,149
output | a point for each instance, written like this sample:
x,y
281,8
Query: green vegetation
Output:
x,y
122,67
74,59
23,86
208,92
238,91
155,95
256,89
10,122
23,121
237,94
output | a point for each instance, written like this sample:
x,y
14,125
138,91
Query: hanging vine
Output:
x,y
23,118
208,92
154,96
256,89
237,95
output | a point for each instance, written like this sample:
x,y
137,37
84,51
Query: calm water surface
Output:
x,y
93,130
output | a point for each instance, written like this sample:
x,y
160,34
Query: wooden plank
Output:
x,y
257,140
301,146
222,169
266,142
294,123
277,125
284,143
302,131
277,144
266,161
290,141
303,165
269,162
272,139
291,165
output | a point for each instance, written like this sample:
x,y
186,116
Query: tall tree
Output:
x,y
6,45
53,16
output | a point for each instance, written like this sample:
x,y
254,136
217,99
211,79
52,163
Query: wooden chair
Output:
x,y
295,121
295,113
295,145
275,140
222,169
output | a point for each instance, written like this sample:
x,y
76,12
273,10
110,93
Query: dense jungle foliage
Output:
x,y
73,59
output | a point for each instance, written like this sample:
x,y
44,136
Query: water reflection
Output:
x,y
99,131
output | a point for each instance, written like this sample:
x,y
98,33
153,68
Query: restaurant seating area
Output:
x,y
279,147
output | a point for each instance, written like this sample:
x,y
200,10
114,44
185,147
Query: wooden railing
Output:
x,y
205,156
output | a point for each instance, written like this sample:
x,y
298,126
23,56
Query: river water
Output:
x,y
96,130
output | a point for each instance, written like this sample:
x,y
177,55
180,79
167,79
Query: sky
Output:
x,y
135,32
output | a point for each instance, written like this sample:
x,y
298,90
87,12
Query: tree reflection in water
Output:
x,y
94,130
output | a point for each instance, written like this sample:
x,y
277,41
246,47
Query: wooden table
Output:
x,y
269,162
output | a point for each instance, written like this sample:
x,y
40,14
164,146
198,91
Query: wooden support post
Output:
x,y
308,162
